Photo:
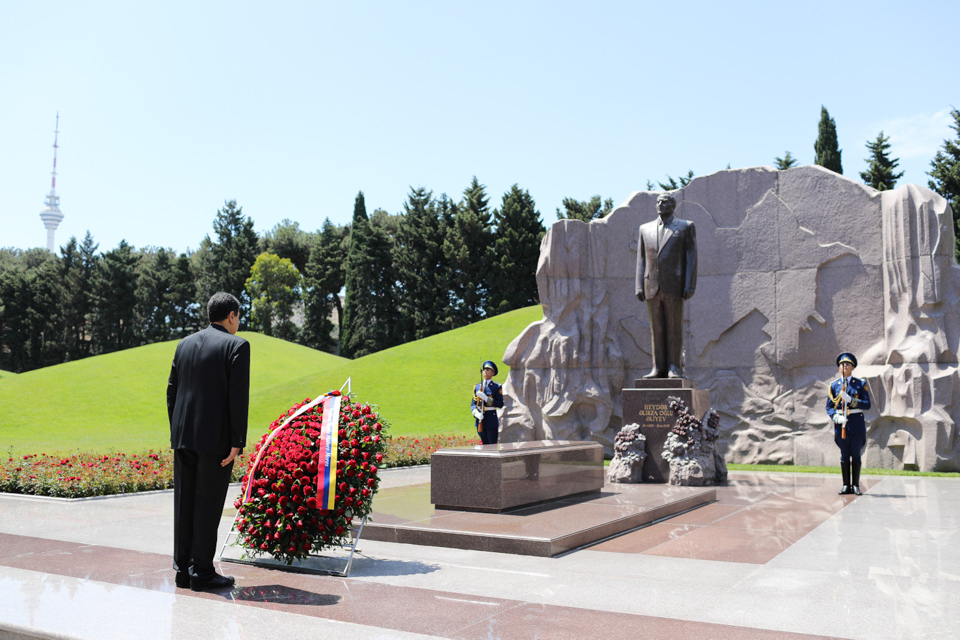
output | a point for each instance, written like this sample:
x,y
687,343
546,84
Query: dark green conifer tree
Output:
x,y
323,281
370,314
468,248
516,252
786,162
826,148
422,270
880,166
673,185
31,328
288,240
586,210
945,174
224,264
77,266
154,303
186,316
114,323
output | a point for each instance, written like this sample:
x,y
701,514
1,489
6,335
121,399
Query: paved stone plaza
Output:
x,y
776,556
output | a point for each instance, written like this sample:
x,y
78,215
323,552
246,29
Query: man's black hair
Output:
x,y
220,306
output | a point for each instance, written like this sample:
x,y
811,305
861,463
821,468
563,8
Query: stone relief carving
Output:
x,y
794,267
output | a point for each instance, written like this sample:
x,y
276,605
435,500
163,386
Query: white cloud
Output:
x,y
918,136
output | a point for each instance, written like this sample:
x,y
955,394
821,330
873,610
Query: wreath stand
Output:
x,y
325,564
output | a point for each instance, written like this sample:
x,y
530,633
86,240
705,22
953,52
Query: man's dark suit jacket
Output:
x,y
671,266
209,391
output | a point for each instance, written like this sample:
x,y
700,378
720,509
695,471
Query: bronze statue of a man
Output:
x,y
666,276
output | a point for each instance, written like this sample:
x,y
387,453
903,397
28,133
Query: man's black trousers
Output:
x,y
199,490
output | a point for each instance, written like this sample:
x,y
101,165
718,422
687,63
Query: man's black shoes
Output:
x,y
846,490
216,581
856,490
183,580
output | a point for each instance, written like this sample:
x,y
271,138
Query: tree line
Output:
x,y
438,265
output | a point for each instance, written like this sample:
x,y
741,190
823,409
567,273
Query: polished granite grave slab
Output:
x,y
406,515
497,477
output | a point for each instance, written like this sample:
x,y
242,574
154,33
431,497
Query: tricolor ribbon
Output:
x,y
327,464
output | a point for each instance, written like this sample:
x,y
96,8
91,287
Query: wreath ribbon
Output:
x,y
327,464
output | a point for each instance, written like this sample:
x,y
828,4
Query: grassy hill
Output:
x,y
117,401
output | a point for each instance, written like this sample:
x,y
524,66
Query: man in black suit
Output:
x,y
666,276
207,402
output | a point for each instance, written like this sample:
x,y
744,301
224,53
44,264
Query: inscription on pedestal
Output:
x,y
648,407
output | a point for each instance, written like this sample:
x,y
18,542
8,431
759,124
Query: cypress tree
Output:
x,y
827,152
879,173
516,252
468,248
77,266
945,174
370,318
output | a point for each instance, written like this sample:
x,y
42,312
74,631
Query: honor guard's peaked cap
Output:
x,y
490,365
847,357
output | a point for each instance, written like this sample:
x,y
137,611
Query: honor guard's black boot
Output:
x,y
856,478
845,472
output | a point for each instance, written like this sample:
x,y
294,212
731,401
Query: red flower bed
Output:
x,y
284,517
86,474
80,475
403,451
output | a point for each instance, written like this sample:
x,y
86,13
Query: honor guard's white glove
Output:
x,y
482,395
845,396
839,418
477,414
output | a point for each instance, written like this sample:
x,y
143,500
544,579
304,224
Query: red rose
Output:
x,y
371,482
312,502
379,457
349,501
339,531
373,468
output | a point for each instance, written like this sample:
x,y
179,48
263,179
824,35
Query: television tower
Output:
x,y
51,214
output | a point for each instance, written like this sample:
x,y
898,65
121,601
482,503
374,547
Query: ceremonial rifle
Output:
x,y
843,389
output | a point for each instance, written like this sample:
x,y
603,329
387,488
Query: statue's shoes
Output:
x,y
653,374
673,373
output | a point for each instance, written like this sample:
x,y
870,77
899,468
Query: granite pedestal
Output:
x,y
646,405
496,477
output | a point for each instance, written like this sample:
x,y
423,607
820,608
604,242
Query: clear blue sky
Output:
x,y
168,109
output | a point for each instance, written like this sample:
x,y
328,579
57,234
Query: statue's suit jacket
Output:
x,y
671,265
208,392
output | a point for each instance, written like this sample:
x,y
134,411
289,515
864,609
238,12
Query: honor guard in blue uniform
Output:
x,y
487,398
848,397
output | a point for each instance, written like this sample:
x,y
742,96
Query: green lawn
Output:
x,y
836,470
4,374
117,401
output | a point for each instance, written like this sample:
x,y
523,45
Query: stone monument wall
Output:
x,y
795,266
